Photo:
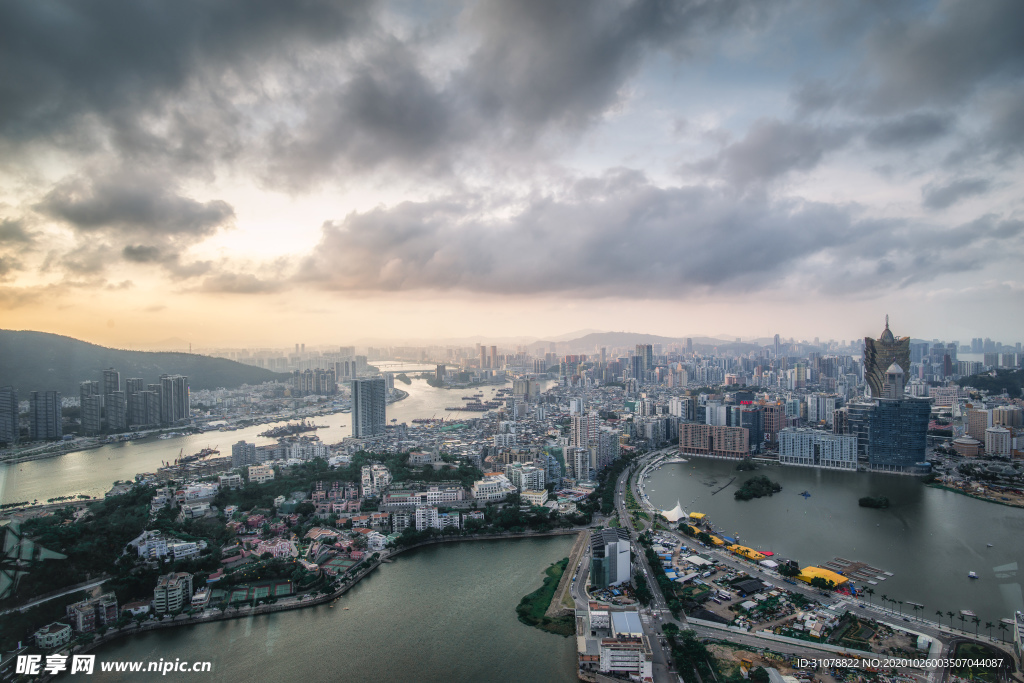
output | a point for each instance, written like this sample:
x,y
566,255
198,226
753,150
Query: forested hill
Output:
x,y
39,361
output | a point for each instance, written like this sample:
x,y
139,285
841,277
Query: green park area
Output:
x,y
532,607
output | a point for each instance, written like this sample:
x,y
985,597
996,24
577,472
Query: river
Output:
x,y
929,539
441,613
93,471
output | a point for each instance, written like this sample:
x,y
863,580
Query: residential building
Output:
x,y
9,417
375,478
44,415
88,615
230,481
173,592
998,442
534,497
368,407
493,487
90,403
714,441
979,420
525,476
259,474
610,557
117,411
174,398
814,448
426,518
52,636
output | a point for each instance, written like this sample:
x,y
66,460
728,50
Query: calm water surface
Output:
x,y
444,613
929,538
93,471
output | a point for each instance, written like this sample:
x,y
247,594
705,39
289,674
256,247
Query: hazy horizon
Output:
x,y
237,175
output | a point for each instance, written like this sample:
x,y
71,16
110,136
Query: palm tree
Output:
x,y
977,622
1004,628
939,614
869,592
884,598
901,607
989,625
950,615
962,619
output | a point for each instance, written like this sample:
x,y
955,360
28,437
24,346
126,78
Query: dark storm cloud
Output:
x,y
910,131
675,241
618,235
63,60
543,62
12,232
772,148
139,253
133,205
540,68
944,196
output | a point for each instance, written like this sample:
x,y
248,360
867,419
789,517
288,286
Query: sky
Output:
x,y
263,173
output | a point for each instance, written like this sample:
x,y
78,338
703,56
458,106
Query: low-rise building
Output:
x,y
531,497
493,487
260,474
88,615
53,635
427,518
230,481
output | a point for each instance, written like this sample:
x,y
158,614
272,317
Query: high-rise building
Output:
x,y
998,442
91,406
439,373
777,346
117,411
368,407
9,429
609,557
132,386
978,420
880,354
44,415
689,345
483,356
815,448
714,441
898,434
111,381
494,357
174,398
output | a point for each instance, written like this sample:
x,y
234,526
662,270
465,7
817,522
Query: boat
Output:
x,y
988,545
971,575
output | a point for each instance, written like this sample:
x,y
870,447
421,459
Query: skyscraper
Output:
x,y
494,357
132,386
8,415
44,415
90,402
368,407
777,346
881,353
111,381
483,356
174,398
117,411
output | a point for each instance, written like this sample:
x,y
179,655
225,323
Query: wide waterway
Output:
x,y
929,539
442,613
93,471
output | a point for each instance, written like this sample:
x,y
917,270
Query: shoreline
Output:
x,y
238,613
975,496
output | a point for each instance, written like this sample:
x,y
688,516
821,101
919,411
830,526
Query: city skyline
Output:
x,y
511,169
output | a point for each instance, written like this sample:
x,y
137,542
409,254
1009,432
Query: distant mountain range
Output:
x,y
39,361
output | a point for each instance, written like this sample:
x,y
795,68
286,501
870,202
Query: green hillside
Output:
x,y
39,361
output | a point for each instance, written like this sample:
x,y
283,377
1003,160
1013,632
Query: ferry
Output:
x,y
971,575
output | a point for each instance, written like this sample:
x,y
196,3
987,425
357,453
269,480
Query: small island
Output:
x,y
756,487
880,502
746,465
403,378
